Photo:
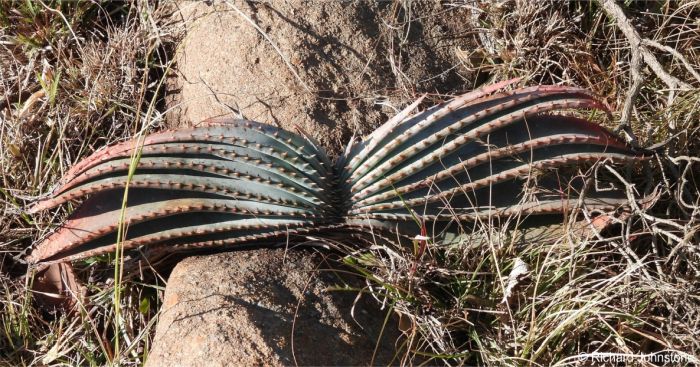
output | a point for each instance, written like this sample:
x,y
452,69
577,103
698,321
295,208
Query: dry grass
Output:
x,y
77,76
74,76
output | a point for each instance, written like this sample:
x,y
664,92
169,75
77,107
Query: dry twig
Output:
x,y
637,45
639,51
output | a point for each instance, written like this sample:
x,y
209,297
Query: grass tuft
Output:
x,y
74,77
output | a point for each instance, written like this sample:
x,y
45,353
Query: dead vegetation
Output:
x,y
76,76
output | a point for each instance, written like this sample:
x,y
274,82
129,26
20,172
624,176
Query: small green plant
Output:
x,y
237,181
75,76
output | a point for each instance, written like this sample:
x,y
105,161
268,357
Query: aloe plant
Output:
x,y
233,182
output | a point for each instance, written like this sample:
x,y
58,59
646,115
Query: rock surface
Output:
x,y
266,307
331,69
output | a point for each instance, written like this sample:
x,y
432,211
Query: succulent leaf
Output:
x,y
231,182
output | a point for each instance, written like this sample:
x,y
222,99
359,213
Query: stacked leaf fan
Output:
x,y
237,182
